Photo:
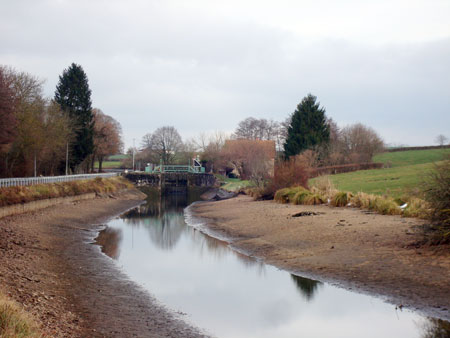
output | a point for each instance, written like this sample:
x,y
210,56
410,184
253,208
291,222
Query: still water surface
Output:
x,y
231,295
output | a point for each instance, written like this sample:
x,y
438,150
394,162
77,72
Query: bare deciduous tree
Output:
x,y
107,136
360,143
212,153
260,129
7,103
253,159
163,144
441,139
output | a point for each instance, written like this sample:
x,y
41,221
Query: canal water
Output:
x,y
228,294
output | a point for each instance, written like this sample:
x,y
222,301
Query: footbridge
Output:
x,y
166,176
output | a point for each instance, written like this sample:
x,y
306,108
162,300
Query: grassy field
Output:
x,y
109,164
408,169
118,157
411,157
233,184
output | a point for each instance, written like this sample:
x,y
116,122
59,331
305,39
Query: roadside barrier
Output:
x,y
23,181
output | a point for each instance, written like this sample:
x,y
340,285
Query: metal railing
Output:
x,y
22,181
175,169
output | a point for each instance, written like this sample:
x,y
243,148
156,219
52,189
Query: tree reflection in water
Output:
x,y
109,240
306,286
163,219
435,328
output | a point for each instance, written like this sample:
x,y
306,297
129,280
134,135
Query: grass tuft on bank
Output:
x,y
324,193
24,194
15,322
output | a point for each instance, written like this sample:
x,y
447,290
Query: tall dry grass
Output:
x,y
15,195
323,192
15,322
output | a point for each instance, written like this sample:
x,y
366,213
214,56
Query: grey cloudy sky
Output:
x,y
204,65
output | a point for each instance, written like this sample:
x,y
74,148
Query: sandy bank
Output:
x,y
354,248
48,264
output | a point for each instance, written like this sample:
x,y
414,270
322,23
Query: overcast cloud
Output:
x,y
206,65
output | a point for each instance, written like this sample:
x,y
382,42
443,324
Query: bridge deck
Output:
x,y
173,179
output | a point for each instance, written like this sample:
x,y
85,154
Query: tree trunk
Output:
x,y
100,163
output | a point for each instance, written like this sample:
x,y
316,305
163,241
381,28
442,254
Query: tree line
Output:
x,y
52,136
257,145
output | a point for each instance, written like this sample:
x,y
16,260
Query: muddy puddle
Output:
x,y
228,294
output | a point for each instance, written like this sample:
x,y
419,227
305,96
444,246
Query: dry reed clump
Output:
x,y
386,206
15,322
416,207
341,199
286,195
381,204
361,200
300,196
324,186
411,206
15,195
314,199
323,191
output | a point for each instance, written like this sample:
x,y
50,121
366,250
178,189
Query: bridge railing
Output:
x,y
23,181
169,168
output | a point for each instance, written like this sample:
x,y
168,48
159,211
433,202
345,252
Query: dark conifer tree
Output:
x,y
74,96
308,127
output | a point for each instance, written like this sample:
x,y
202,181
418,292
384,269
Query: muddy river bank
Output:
x,y
154,272
163,247
49,265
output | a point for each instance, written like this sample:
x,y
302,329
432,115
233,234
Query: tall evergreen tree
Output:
x,y
308,127
74,96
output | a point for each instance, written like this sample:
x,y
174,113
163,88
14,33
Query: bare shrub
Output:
x,y
293,172
437,193
360,143
253,159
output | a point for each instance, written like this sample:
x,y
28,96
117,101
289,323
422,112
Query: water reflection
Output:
x,y
109,240
233,295
435,328
307,287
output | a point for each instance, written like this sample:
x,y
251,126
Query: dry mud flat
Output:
x,y
351,247
48,264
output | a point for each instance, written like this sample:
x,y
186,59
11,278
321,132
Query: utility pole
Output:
x,y
67,158
35,174
133,154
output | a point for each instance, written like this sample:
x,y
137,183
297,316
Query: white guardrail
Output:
x,y
21,181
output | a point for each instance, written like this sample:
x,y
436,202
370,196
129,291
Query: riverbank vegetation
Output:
x,y
23,194
14,321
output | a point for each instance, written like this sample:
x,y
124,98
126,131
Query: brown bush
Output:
x,y
437,193
290,173
293,172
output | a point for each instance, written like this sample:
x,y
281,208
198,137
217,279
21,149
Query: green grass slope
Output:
x,y
232,184
408,169
411,157
109,164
